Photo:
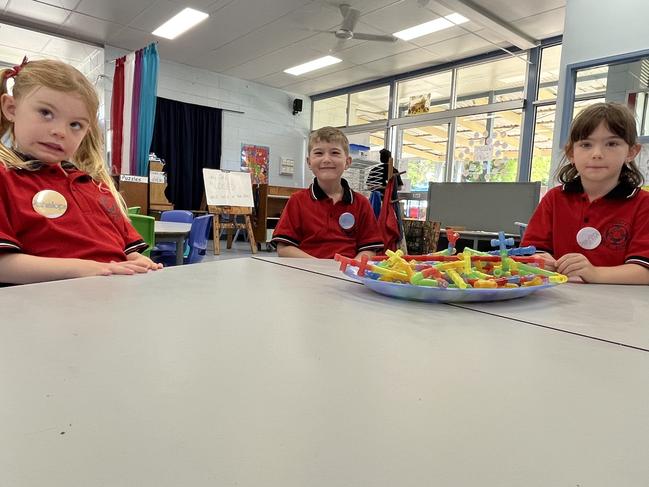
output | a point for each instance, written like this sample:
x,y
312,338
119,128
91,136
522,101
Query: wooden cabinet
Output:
x,y
269,203
157,185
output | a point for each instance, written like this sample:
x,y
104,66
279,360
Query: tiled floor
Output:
x,y
238,250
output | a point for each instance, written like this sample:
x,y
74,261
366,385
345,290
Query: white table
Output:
x,y
173,232
618,314
245,373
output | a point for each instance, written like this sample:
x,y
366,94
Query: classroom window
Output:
x,y
429,94
491,82
486,147
422,154
330,112
542,147
591,81
549,76
369,106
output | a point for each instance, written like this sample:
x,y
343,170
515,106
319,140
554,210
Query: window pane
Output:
x,y
549,82
330,112
592,80
580,105
422,154
542,148
365,147
424,95
486,147
369,106
491,82
642,112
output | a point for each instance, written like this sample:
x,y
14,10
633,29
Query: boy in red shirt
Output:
x,y
328,217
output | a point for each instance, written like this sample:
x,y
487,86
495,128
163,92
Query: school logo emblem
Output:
x,y
109,205
617,236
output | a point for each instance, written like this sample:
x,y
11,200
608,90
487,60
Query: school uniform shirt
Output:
x,y
314,224
92,227
621,218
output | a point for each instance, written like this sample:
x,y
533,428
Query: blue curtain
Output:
x,y
148,95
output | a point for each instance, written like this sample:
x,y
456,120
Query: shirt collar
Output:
x,y
34,164
317,192
623,190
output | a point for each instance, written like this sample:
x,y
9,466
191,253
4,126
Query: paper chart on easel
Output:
x,y
227,188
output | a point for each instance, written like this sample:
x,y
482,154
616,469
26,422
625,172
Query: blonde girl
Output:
x,y
60,213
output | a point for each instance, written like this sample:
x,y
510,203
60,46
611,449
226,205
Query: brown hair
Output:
x,y
59,76
619,120
331,135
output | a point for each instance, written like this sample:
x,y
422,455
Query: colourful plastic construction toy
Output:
x,y
468,276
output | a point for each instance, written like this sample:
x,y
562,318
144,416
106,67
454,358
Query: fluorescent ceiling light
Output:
x,y
430,27
179,23
312,65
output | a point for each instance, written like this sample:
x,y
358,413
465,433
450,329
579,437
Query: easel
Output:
x,y
232,225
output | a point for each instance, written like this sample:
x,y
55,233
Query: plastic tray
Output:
x,y
443,295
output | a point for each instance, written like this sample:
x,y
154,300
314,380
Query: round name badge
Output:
x,y
49,203
589,238
346,221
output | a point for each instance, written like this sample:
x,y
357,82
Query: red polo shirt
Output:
x,y
91,228
621,217
314,224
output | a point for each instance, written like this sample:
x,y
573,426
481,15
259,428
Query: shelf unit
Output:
x,y
356,174
270,203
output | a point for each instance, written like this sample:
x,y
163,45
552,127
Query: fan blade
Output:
x,y
350,17
374,37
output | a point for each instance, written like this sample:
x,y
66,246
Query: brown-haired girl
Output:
x,y
596,225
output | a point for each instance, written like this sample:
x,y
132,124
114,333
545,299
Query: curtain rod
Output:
x,y
112,61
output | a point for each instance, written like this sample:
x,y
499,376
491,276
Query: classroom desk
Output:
x,y
619,314
173,232
244,373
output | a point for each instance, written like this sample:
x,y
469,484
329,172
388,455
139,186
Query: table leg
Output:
x,y
180,250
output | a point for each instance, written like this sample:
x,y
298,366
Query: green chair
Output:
x,y
145,226
134,210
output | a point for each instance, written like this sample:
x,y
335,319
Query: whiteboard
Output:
x,y
227,188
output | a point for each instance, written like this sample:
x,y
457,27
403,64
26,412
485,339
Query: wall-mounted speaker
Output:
x,y
297,106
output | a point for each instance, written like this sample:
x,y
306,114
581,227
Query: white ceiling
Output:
x,y
257,39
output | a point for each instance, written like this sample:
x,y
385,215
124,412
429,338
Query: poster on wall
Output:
x,y
254,159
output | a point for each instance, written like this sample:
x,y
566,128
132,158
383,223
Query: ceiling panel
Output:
x,y
118,11
510,11
282,59
401,16
369,51
405,61
357,74
40,12
547,24
89,27
258,39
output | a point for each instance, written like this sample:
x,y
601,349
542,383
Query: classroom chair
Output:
x,y
145,226
197,244
521,228
134,210
180,216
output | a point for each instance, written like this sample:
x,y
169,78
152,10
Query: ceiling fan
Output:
x,y
346,29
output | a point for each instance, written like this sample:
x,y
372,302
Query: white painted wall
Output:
x,y
594,30
267,119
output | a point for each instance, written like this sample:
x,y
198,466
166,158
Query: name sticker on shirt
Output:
x,y
346,221
589,238
49,203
